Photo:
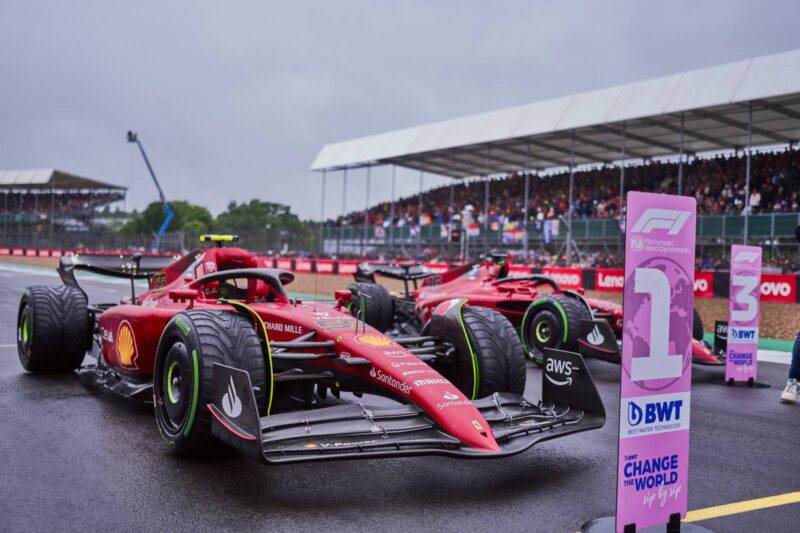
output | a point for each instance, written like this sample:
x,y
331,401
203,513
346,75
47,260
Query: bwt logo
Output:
x,y
747,257
668,219
742,334
654,412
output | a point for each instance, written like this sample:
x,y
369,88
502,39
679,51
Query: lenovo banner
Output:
x,y
567,278
609,279
653,462
744,310
704,284
779,288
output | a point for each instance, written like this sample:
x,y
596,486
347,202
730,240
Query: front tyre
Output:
x,y
183,375
492,360
54,329
373,304
552,322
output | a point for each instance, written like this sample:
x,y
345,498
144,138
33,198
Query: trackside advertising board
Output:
x,y
744,310
652,469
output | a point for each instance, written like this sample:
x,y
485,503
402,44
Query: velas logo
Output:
x,y
595,338
430,381
374,340
661,219
746,257
231,404
126,345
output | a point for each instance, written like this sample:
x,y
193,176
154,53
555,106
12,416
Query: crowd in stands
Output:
x,y
39,205
718,184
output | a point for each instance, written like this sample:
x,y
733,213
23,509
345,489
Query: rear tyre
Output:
x,y
552,322
496,362
697,325
371,303
54,329
183,375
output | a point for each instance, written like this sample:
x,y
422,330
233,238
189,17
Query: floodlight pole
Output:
x,y
133,137
322,215
571,191
680,161
344,208
366,214
486,203
419,205
747,173
525,201
391,208
621,177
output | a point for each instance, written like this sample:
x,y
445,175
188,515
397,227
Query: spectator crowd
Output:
x,y
718,184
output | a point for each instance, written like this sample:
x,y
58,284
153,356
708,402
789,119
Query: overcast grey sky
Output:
x,y
233,100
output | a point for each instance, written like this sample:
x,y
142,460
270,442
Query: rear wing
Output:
x,y
570,404
130,267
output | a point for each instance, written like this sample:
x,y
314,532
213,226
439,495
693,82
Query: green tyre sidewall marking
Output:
x,y
169,382
523,330
195,393
475,371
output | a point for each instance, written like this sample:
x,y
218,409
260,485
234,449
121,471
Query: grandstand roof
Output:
x,y
50,179
712,102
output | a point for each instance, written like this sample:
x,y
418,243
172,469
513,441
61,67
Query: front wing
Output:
x,y
355,431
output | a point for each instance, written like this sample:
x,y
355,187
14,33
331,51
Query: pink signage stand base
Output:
x,y
606,525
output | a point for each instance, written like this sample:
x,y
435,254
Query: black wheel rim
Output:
x,y
544,332
175,388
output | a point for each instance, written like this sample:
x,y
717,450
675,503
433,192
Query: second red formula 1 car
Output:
x,y
226,355
546,315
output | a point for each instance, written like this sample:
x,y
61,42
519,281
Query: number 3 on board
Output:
x,y
659,364
745,297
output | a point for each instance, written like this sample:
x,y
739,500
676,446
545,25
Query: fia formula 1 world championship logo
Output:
x,y
666,219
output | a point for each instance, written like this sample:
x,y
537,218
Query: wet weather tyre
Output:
x,y
697,325
54,329
552,322
372,303
497,358
191,343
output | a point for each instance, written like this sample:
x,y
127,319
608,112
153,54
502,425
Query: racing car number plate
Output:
x,y
652,469
743,313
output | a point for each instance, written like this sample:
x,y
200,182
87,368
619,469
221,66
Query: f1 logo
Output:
x,y
655,218
747,257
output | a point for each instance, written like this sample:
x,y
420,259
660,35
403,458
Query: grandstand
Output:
x,y
724,134
40,205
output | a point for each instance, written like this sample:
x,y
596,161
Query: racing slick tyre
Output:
x,y
377,304
54,329
552,322
191,343
697,326
497,361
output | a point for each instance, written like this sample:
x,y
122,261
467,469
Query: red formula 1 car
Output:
x,y
226,355
546,315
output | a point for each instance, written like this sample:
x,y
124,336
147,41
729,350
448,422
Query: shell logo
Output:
x,y
374,340
126,344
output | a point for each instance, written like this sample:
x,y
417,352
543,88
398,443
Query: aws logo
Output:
x,y
126,345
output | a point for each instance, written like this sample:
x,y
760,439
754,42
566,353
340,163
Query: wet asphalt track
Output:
x,y
75,460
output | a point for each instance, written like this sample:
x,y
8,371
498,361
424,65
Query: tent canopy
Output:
x,y
711,106
51,179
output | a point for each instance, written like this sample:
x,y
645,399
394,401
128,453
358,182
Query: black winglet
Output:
x,y
235,419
